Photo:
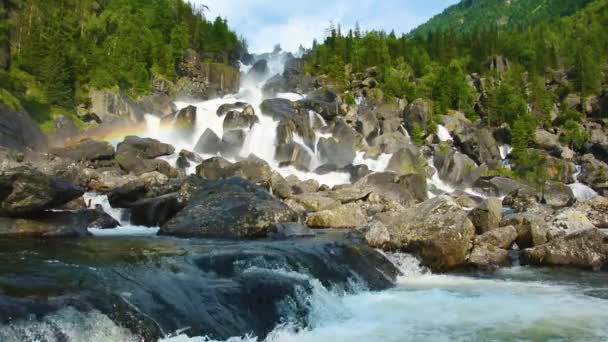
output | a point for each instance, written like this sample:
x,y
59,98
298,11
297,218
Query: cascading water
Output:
x,y
428,307
581,191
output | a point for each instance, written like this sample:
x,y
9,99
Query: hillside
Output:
x,y
471,14
54,53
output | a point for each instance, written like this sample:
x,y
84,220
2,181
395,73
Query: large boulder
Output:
x,y
146,148
417,114
390,142
278,108
438,231
456,168
186,119
147,185
532,228
86,150
406,189
487,215
239,120
208,143
259,70
407,160
293,154
522,199
155,211
345,216
558,195
496,186
479,144
323,101
313,201
18,131
587,249
334,152
24,191
230,208
57,223
596,210
232,142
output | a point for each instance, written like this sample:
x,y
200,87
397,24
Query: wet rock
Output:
x,y
147,185
300,187
86,150
334,152
357,172
367,123
438,231
213,168
56,224
345,134
487,215
208,143
503,237
259,70
293,154
235,120
231,208
190,156
344,216
232,142
24,190
323,101
377,235
227,107
185,119
278,108
155,211
587,249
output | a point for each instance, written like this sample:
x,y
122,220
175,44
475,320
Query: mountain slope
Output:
x,y
470,14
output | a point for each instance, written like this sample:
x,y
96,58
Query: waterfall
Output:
x,y
443,134
581,191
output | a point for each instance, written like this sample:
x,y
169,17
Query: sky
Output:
x,y
290,23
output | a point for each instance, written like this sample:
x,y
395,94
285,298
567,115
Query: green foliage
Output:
x,y
469,15
574,135
69,46
417,135
450,89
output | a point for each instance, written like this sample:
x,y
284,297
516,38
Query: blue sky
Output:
x,y
291,23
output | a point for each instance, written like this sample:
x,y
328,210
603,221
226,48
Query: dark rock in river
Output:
x,y
231,208
24,191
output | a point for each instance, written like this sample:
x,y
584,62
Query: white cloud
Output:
x,y
265,23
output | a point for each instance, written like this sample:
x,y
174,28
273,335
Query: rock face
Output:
x,y
86,150
345,216
596,210
205,80
24,191
18,131
584,249
230,208
417,114
438,231
112,106
57,224
259,70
